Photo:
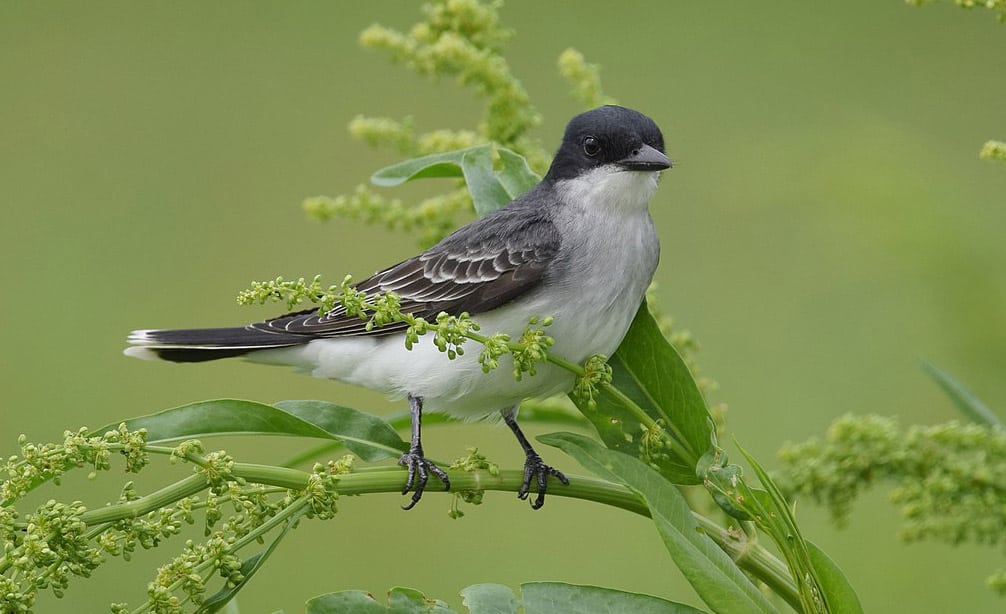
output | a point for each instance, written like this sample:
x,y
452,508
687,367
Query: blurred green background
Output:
x,y
826,226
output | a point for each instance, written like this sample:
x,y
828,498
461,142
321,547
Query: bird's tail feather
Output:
x,y
202,344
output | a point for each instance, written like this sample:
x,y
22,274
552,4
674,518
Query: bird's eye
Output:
x,y
591,146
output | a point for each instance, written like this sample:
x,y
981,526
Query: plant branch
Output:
x,y
749,555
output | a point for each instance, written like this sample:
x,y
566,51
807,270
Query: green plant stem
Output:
x,y
753,558
748,554
186,487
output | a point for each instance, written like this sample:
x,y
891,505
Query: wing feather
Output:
x,y
478,268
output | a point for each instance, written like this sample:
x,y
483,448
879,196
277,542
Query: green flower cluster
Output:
x,y
449,333
596,372
473,462
186,573
999,6
994,150
531,349
459,38
39,463
463,39
53,544
584,77
292,293
430,221
58,541
951,478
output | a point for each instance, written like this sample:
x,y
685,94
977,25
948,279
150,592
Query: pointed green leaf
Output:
x,y
489,599
715,577
841,597
345,602
965,400
487,192
516,176
366,435
562,598
233,608
665,380
446,164
490,189
650,372
397,421
220,417
401,599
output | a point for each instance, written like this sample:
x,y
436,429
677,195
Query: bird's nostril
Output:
x,y
635,152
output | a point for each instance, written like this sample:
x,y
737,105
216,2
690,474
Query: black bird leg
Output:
x,y
414,459
534,467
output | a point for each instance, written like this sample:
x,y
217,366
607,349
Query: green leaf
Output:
x,y
220,417
232,608
715,577
650,372
446,164
965,400
345,602
488,194
366,435
400,601
516,176
489,599
224,597
397,421
490,189
561,598
841,597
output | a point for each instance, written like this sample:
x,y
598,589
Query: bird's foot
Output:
x,y
536,469
417,464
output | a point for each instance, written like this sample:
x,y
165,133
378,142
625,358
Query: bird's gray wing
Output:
x,y
478,268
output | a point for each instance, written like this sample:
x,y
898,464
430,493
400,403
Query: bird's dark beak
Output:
x,y
645,158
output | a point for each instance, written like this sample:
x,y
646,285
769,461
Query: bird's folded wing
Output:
x,y
483,266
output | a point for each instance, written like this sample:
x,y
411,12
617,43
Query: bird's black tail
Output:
x,y
202,344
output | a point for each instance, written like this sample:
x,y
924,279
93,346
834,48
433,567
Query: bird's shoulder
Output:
x,y
525,224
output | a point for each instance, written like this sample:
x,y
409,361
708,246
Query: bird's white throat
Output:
x,y
611,187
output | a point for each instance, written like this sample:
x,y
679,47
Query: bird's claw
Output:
x,y
416,463
535,468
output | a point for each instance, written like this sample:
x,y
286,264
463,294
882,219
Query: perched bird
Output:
x,y
580,247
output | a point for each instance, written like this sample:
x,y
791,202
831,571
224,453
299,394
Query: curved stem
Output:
x,y
749,555
185,487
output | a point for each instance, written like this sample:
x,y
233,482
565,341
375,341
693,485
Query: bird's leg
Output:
x,y
534,467
414,460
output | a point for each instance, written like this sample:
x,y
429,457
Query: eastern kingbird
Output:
x,y
580,247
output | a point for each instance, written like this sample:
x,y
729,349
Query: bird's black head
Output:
x,y
609,135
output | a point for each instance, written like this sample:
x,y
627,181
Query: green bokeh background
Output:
x,y
826,226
